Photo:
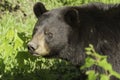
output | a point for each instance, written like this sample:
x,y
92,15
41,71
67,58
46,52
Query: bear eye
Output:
x,y
48,34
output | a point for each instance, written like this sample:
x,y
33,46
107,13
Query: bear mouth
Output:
x,y
34,53
52,55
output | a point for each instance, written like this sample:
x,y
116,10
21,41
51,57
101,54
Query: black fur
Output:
x,y
74,28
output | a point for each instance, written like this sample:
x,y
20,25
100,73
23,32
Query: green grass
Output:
x,y
15,31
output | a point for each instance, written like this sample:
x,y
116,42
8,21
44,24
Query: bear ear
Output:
x,y
39,9
72,17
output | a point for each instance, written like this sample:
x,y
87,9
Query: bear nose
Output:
x,y
31,47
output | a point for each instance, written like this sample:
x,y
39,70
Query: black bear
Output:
x,y
65,32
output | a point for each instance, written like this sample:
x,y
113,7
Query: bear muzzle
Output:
x,y
38,47
38,50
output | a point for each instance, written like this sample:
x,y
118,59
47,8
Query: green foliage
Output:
x,y
95,59
92,75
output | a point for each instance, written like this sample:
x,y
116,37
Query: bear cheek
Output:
x,y
43,48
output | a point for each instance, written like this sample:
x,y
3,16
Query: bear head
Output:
x,y
51,33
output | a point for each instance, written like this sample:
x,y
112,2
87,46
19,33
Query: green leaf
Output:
x,y
115,74
89,53
10,34
88,49
18,42
92,75
88,63
104,77
105,65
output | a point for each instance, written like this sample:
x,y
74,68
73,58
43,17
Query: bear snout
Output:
x,y
38,49
31,47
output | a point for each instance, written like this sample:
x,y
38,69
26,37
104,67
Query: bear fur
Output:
x,y
65,32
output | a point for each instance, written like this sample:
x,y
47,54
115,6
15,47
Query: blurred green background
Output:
x,y
16,23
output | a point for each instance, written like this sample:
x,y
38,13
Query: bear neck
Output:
x,y
78,40
74,50
73,53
